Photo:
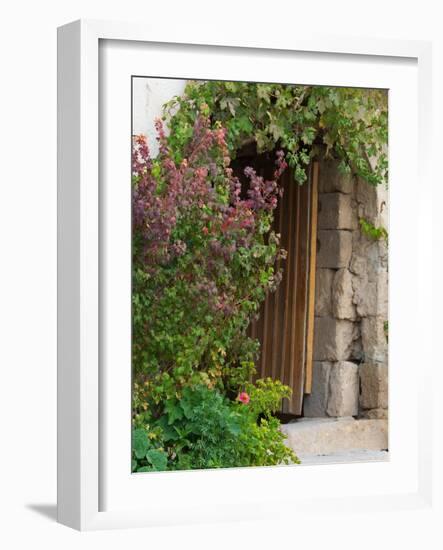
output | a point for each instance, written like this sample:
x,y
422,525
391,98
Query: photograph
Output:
x,y
223,266
260,223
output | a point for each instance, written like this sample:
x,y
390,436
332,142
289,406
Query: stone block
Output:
x,y
323,292
315,403
383,294
359,262
335,211
368,256
372,414
366,195
371,297
365,297
373,335
343,295
333,339
356,352
331,179
343,389
322,436
373,386
334,248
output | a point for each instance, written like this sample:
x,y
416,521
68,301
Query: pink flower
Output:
x,y
243,397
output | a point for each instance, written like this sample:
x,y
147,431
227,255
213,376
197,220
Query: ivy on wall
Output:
x,y
373,232
204,256
350,124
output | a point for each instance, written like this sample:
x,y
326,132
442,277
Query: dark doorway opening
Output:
x,y
285,323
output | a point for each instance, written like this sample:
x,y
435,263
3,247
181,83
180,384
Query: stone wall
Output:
x,y
350,371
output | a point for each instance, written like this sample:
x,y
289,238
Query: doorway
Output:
x,y
285,323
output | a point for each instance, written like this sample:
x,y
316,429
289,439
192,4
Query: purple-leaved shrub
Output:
x,y
203,260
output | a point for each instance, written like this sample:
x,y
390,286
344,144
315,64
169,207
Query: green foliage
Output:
x,y
373,232
203,261
147,456
204,256
200,270
348,123
386,330
205,429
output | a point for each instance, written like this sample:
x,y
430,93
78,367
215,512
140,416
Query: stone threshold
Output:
x,y
345,457
315,437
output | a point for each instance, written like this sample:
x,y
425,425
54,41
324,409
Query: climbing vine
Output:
x,y
350,124
373,232
204,256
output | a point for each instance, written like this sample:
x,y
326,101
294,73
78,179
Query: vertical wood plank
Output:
x,y
288,281
276,329
296,281
301,283
267,319
312,273
285,324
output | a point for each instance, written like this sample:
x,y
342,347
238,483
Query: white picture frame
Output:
x,y
84,415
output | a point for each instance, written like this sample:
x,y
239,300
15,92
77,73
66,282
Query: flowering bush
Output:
x,y
203,261
205,429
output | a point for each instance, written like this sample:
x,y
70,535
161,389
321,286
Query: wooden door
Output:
x,y
285,325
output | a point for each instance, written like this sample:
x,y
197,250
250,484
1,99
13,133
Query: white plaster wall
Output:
x,y
149,95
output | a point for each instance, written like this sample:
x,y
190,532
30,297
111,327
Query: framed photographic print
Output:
x,y
234,220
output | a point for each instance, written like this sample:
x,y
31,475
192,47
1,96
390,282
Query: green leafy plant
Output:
x,y
147,456
203,260
205,429
347,123
373,232
204,256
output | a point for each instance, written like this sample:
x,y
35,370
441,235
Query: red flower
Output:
x,y
243,397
